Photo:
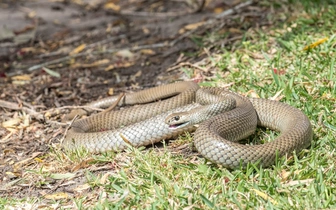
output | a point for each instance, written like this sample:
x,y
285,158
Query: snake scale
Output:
x,y
225,117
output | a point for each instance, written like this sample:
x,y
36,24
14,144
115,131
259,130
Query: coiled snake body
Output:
x,y
231,118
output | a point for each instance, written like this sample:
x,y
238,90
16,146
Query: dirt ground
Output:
x,y
71,52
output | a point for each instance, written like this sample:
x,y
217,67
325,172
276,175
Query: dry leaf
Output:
x,y
6,138
83,164
257,55
28,50
12,175
112,6
24,77
235,31
110,91
218,10
12,123
148,52
298,182
27,160
57,196
145,30
82,188
39,160
105,177
134,76
265,196
125,54
17,123
119,65
252,93
51,72
284,175
315,44
277,96
32,14
193,25
109,68
19,82
78,49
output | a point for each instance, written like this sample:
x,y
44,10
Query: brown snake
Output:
x,y
231,118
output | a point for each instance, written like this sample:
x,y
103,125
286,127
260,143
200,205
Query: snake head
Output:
x,y
177,120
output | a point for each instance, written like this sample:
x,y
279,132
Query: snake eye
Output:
x,y
177,118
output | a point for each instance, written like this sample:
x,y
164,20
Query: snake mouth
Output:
x,y
178,125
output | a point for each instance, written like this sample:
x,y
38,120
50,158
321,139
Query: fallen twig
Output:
x,y
14,106
187,64
152,46
38,66
164,14
234,9
121,96
67,129
73,107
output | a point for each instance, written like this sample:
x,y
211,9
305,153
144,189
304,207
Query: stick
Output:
x,y
14,106
164,14
38,66
234,9
121,96
158,45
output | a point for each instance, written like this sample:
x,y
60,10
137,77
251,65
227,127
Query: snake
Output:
x,y
219,117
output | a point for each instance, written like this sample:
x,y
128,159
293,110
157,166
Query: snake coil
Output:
x,y
215,138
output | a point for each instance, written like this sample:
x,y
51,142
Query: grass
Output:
x,y
267,63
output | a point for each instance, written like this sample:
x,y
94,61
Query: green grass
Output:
x,y
305,181
307,81
158,179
